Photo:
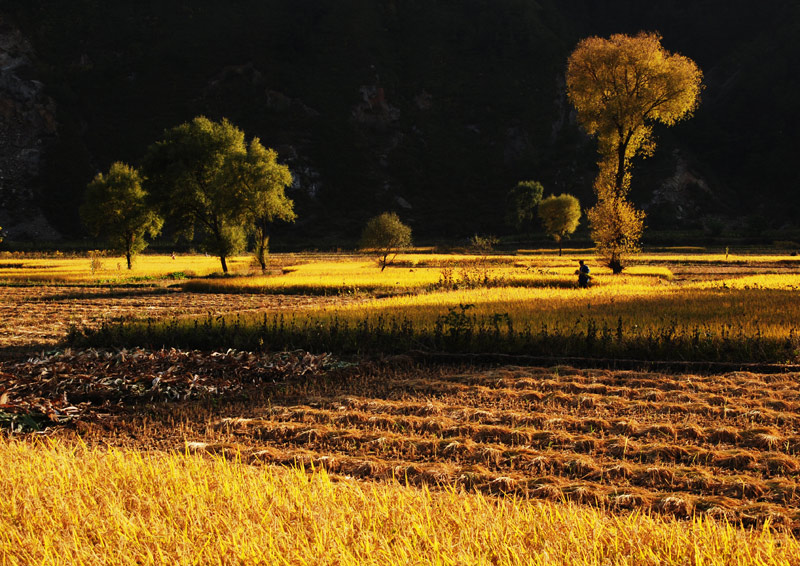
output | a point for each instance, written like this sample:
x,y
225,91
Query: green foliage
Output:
x,y
522,202
116,208
483,244
560,216
386,234
262,184
190,177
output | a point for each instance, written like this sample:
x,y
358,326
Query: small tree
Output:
x,y
560,215
263,183
522,202
116,207
386,234
616,229
189,176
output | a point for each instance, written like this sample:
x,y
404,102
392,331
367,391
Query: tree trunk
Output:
x,y
622,166
224,263
559,249
262,245
128,249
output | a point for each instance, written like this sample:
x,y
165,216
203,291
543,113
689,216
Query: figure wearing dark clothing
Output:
x,y
583,275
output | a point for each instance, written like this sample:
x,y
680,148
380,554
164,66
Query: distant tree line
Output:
x,y
204,179
213,187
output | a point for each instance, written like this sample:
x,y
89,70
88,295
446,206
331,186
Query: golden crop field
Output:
x,y
303,450
697,307
79,506
413,273
102,269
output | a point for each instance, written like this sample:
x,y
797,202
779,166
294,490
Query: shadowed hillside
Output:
x,y
434,109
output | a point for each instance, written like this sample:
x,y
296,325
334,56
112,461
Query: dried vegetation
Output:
x,y
727,445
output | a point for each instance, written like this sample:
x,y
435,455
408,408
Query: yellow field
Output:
x,y
331,274
75,505
644,298
412,272
687,309
80,506
112,269
766,301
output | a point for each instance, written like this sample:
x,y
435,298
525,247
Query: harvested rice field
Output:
x,y
724,446
489,463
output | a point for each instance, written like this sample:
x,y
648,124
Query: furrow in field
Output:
x,y
647,489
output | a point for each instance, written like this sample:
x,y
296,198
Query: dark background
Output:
x,y
431,108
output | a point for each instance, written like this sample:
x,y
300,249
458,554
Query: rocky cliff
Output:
x,y
28,126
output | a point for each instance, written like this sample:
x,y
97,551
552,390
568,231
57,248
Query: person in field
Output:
x,y
583,275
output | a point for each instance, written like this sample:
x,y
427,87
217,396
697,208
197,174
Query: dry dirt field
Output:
x,y
39,316
724,445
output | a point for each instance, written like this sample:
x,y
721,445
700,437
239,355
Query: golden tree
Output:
x,y
620,87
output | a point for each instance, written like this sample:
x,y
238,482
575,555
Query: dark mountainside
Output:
x,y
432,108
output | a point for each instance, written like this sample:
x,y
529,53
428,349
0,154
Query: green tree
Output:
x,y
189,175
522,202
560,216
620,87
116,208
263,183
386,235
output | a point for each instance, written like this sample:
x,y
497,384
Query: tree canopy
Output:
x,y
116,208
620,87
522,202
189,176
560,215
386,234
262,184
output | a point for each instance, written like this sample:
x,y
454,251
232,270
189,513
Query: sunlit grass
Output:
x,y
766,304
113,269
414,272
644,298
672,255
338,274
504,304
79,506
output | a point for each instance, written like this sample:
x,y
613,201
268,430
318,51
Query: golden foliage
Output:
x,y
620,86
560,215
616,227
